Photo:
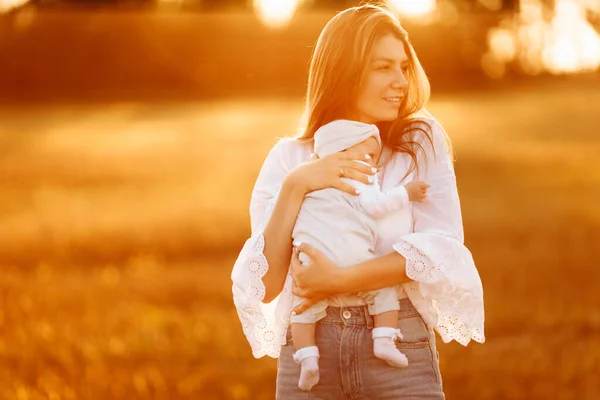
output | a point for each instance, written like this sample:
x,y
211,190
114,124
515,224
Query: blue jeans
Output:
x,y
348,368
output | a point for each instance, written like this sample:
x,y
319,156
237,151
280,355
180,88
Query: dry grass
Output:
x,y
121,222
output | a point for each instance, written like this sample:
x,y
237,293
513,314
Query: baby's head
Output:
x,y
370,146
343,135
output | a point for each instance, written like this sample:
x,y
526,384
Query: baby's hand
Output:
x,y
417,191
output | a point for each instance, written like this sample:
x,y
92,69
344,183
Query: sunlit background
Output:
x,y
131,133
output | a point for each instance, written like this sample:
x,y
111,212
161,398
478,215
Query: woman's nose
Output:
x,y
400,81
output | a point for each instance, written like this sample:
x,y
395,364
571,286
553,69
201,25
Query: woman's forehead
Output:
x,y
388,48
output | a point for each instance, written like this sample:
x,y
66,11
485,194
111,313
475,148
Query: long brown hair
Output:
x,y
335,75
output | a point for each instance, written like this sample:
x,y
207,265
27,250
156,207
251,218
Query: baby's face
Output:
x,y
370,147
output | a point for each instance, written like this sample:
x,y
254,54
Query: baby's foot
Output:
x,y
309,374
384,346
308,357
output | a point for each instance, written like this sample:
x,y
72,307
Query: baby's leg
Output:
x,y
307,354
385,308
386,319
303,335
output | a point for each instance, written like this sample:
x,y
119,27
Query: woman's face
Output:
x,y
384,84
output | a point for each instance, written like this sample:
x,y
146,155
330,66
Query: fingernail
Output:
x,y
297,243
293,312
368,156
373,169
357,191
371,179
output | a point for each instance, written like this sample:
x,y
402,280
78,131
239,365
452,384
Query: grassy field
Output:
x,y
120,224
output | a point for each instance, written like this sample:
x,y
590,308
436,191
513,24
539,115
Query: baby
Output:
x,y
343,227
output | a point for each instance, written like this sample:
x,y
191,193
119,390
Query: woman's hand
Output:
x,y
327,171
308,301
316,281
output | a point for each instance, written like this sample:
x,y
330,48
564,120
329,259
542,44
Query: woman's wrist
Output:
x,y
347,280
291,185
384,271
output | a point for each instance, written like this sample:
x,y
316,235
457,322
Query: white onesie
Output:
x,y
343,226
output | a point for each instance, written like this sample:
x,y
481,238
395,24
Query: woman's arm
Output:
x,y
321,278
381,272
278,238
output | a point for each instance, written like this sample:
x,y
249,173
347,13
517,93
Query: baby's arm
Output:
x,y
417,191
378,203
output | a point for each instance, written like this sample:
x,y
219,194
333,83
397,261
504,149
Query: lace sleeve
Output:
x,y
263,324
446,287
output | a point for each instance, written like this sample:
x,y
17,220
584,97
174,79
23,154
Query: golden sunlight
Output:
x,y
562,44
573,43
7,5
275,13
413,8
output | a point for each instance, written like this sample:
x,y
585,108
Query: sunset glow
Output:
x,y
275,13
7,5
564,43
413,8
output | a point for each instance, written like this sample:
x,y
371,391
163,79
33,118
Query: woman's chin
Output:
x,y
389,116
384,115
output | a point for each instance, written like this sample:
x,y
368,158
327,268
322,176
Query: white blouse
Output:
x,y
445,288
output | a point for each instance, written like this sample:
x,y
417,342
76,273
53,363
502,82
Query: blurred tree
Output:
x,y
216,4
334,4
220,5
510,5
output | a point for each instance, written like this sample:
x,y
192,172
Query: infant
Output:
x,y
343,227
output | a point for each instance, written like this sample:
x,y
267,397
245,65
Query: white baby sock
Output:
x,y
384,346
308,357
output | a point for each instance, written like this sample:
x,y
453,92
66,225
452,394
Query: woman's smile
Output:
x,y
395,101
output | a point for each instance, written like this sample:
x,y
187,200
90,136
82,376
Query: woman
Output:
x,y
363,68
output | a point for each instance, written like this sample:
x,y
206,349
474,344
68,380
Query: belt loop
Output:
x,y
368,317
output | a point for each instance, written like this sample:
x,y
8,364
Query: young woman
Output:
x,y
363,68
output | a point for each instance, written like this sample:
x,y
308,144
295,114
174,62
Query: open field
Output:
x,y
120,222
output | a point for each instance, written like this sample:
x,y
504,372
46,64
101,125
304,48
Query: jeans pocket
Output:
x,y
414,331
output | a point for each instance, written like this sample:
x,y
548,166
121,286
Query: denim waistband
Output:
x,y
359,315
